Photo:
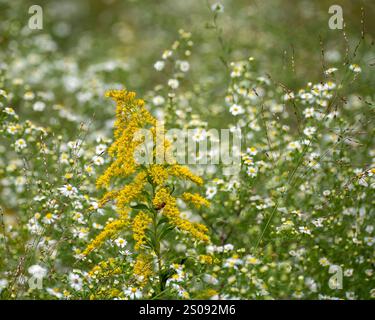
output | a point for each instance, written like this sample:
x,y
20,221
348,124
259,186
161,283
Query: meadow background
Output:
x,y
300,212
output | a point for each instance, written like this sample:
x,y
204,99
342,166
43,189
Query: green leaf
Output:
x,y
162,221
165,230
140,206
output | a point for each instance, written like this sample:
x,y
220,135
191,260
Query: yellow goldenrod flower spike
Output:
x,y
147,188
195,199
167,203
131,191
158,174
109,231
139,226
185,173
143,268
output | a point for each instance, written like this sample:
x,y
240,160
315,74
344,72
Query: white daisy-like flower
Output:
x,y
309,112
75,281
370,241
68,190
318,222
125,252
100,149
350,295
89,169
236,109
232,262
252,171
64,158
309,131
82,232
55,292
348,272
288,96
158,100
10,111
199,134
228,247
39,106
75,144
184,66
98,160
355,68
133,293
330,85
120,242
37,271
3,284
97,226
330,71
159,65
210,192
20,144
78,216
173,83
12,129
49,218
276,108
251,260
324,262
29,95
369,272
166,54
304,230
217,7
252,151
210,279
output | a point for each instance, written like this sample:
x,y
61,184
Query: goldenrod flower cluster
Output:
x,y
107,293
203,258
158,174
131,115
105,269
110,230
139,226
185,173
167,204
195,199
143,268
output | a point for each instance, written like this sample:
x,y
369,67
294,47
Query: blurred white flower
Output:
x,y
37,271
236,109
217,7
330,70
68,190
158,100
159,65
133,293
100,149
184,66
20,144
210,192
173,83
98,160
355,68
39,106
75,281
3,284
309,131
120,242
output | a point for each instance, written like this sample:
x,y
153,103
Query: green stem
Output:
x,y
157,249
